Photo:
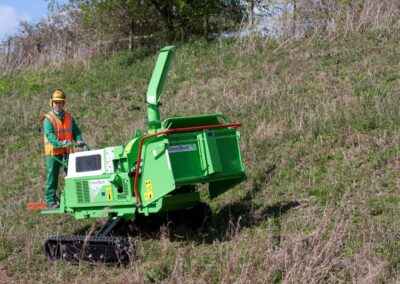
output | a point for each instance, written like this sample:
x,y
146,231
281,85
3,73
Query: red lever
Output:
x,y
36,206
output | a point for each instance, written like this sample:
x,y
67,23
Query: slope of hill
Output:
x,y
320,137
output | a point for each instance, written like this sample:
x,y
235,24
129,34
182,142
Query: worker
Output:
x,y
60,132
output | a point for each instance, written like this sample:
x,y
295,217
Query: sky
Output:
x,y
13,11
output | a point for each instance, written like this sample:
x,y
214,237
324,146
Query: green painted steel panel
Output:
x,y
156,87
156,179
205,156
210,152
184,152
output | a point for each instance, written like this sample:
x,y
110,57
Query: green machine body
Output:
x,y
157,171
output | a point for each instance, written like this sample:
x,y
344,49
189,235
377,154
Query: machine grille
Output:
x,y
82,191
125,189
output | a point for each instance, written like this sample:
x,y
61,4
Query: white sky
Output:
x,y
13,11
8,20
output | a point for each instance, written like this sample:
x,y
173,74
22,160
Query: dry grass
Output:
x,y
319,139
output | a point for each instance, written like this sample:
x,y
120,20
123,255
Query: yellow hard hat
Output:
x,y
58,96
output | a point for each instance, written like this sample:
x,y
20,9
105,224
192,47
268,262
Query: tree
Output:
x,y
172,19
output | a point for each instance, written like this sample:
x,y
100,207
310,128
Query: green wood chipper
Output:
x,y
153,173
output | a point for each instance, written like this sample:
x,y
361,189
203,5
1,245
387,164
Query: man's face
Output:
x,y
58,106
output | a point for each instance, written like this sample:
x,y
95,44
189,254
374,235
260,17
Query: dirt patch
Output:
x,y
6,276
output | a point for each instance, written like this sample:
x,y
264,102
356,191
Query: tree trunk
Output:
x,y
164,8
251,14
206,25
294,17
182,34
8,49
131,34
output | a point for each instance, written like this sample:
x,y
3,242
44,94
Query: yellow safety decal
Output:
x,y
149,190
109,193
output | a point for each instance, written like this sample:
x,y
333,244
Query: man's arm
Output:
x,y
76,131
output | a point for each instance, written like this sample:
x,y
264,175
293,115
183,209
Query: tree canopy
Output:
x,y
170,19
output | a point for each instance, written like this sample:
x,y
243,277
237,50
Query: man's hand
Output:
x,y
66,143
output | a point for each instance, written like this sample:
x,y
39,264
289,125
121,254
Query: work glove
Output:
x,y
80,143
66,143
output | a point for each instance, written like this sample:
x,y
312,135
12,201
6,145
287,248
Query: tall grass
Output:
x,y
320,143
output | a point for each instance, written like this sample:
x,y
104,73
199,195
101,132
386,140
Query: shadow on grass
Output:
x,y
221,226
200,226
187,227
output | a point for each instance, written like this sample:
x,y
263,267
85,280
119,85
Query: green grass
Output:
x,y
320,144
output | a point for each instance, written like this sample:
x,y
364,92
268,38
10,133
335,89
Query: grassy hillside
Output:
x,y
320,141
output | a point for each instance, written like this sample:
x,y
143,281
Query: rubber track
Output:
x,y
107,250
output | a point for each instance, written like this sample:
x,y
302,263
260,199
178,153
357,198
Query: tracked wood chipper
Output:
x,y
152,173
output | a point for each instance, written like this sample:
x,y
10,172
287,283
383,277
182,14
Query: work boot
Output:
x,y
52,207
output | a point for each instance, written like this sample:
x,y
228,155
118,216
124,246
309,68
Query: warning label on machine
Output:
x,y
182,148
95,187
109,193
149,190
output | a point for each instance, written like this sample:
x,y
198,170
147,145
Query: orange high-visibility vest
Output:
x,y
62,130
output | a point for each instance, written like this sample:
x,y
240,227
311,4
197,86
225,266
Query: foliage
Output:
x,y
81,30
177,18
116,18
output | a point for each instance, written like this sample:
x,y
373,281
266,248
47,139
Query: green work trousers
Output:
x,y
52,172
